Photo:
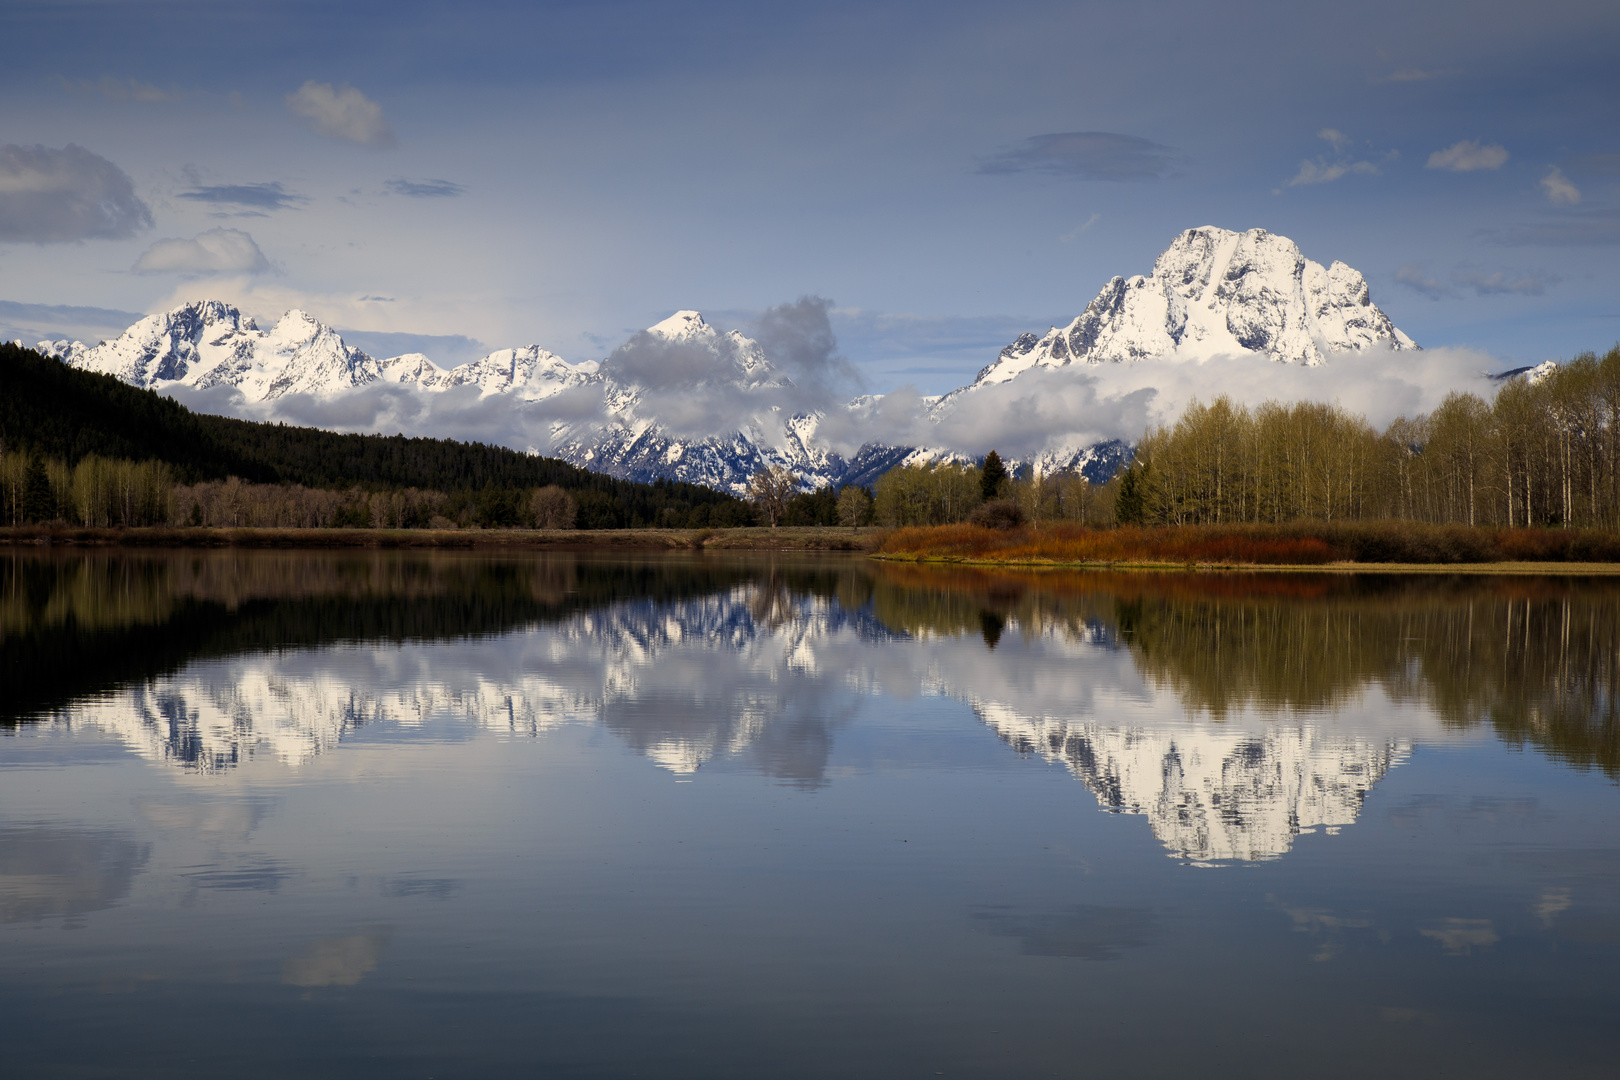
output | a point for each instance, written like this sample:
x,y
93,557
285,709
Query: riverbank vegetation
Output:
x,y
742,538
943,493
1542,453
1531,476
1301,543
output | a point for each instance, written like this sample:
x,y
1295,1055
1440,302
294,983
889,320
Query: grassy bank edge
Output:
x,y
808,538
1572,569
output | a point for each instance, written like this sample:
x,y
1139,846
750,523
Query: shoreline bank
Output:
x,y
803,538
1573,569
868,542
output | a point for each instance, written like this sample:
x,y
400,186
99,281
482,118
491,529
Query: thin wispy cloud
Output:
x,y
266,196
1503,284
1087,155
36,322
1335,138
1481,283
1468,156
1423,283
1598,164
1587,227
425,189
1415,74
1084,227
1325,170
115,89
1320,171
341,113
50,196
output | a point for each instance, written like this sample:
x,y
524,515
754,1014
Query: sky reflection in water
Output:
x,y
397,814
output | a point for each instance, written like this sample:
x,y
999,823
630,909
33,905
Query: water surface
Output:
x,y
394,814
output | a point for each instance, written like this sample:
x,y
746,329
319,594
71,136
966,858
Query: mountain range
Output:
x,y
684,401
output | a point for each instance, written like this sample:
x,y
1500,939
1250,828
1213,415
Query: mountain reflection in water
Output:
x,y
1233,711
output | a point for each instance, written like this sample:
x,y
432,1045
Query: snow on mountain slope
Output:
x,y
210,344
1215,292
529,374
637,444
685,401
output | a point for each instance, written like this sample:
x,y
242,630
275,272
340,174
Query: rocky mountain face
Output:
x,y
1212,292
1215,292
210,344
631,440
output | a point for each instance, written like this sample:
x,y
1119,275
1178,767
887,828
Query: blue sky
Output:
x,y
948,174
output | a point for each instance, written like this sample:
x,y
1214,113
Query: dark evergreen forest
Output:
x,y
49,410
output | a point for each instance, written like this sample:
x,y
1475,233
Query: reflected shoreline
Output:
x,y
204,661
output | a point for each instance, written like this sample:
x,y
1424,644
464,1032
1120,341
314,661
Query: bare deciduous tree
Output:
x,y
552,508
771,488
854,505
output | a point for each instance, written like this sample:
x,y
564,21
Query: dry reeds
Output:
x,y
1304,543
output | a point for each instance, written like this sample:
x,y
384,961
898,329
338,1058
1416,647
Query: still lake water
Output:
x,y
405,815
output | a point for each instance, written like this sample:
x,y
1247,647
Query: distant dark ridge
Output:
x,y
50,409
57,411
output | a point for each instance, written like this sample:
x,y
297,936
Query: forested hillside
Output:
x,y
50,412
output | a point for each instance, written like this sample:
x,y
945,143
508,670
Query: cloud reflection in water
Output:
x,y
1231,749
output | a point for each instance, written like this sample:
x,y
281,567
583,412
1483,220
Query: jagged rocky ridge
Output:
x,y
1215,292
1212,292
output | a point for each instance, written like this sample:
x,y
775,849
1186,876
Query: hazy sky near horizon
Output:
x,y
948,174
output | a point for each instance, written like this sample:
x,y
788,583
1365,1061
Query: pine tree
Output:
x,y
1130,506
992,477
38,502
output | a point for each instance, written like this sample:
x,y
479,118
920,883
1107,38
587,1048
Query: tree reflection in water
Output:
x,y
688,659
1537,658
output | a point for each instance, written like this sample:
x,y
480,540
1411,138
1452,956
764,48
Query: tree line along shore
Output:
x,y
1533,474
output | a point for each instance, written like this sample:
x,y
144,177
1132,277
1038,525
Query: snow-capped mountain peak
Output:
x,y
684,401
681,326
209,343
1215,292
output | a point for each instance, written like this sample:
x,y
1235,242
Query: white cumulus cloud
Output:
x,y
1323,172
1468,156
1335,138
1320,170
217,251
341,112
1560,192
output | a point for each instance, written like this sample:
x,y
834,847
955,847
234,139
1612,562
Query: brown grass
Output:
x,y
1295,544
